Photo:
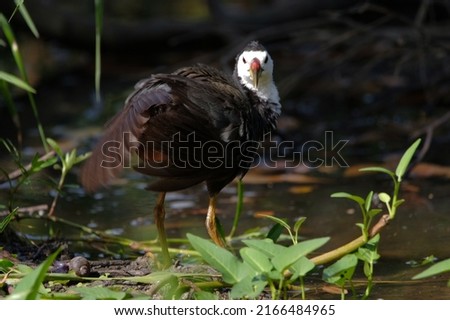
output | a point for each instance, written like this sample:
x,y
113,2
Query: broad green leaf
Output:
x,y
12,79
256,259
346,195
100,293
231,268
248,288
405,160
28,288
301,267
266,246
440,267
340,271
283,260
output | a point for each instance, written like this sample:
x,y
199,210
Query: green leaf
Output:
x,y
301,267
12,79
284,259
398,202
154,277
256,259
205,295
28,288
26,16
378,169
277,220
5,265
265,246
37,164
248,288
346,195
298,224
7,219
368,253
275,232
440,267
341,271
374,212
231,268
54,145
100,293
368,201
384,197
405,160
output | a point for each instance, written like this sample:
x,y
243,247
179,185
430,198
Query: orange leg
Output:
x,y
211,222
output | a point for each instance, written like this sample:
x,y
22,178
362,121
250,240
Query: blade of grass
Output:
x,y
9,34
26,16
16,81
98,37
4,87
28,287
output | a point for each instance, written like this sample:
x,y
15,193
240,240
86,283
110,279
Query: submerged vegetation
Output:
x,y
276,264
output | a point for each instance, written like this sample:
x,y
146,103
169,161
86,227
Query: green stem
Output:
x,y
239,205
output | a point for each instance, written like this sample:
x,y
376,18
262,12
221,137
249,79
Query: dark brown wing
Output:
x,y
158,123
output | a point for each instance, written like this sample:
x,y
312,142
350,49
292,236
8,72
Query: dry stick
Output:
x,y
352,245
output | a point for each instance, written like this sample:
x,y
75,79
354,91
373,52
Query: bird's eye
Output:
x,y
243,60
266,59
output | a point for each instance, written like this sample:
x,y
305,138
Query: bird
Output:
x,y
195,125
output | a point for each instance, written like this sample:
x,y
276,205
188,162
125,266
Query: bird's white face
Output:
x,y
254,68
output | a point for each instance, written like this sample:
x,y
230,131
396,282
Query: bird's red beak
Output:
x,y
255,71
